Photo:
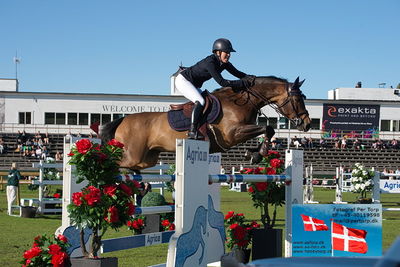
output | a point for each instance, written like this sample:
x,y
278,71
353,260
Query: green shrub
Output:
x,y
153,199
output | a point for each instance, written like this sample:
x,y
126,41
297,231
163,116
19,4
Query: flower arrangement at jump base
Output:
x,y
105,202
47,253
137,224
238,232
361,181
266,194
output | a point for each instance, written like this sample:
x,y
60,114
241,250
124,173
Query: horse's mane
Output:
x,y
265,79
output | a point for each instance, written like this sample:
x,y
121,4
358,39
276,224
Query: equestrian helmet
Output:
x,y
223,45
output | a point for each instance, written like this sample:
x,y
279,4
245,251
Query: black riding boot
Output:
x,y
196,115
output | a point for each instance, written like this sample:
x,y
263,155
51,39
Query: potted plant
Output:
x,y
239,235
46,252
362,182
137,225
267,196
105,201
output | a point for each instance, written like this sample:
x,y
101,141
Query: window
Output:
x,y
72,118
395,126
283,123
117,116
49,118
94,117
385,125
25,118
315,124
83,118
60,118
105,118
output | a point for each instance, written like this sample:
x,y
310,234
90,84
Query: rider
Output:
x,y
190,80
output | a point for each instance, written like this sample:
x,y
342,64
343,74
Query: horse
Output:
x,y
145,135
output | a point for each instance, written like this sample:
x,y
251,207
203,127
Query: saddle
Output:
x,y
179,117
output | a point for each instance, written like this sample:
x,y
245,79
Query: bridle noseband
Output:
x,y
288,100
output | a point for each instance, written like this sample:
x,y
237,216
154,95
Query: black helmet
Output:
x,y
223,45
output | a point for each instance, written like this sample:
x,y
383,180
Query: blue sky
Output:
x,y
132,47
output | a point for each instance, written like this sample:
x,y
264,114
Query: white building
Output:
x,y
63,112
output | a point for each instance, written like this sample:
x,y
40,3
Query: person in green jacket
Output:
x,y
12,186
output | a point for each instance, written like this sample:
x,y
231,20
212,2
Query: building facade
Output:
x,y
67,112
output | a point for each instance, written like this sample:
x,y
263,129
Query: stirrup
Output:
x,y
195,135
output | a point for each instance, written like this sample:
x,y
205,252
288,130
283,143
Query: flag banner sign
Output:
x,y
350,117
313,224
348,239
326,230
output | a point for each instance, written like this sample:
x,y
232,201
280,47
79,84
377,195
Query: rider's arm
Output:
x,y
223,82
234,71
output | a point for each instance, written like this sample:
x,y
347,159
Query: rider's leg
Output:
x,y
188,90
193,94
196,115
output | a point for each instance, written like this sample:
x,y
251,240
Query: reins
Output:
x,y
275,106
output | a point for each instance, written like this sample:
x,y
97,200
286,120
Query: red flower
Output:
x,y
101,156
172,227
271,171
92,195
251,189
274,153
83,146
131,209
229,215
240,214
70,154
165,223
262,186
138,224
58,259
239,232
31,253
254,224
62,238
77,198
233,226
56,195
276,163
248,170
116,143
110,190
112,215
54,249
126,189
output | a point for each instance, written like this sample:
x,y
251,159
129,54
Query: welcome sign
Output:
x,y
350,117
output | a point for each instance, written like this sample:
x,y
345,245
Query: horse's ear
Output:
x,y
295,85
301,83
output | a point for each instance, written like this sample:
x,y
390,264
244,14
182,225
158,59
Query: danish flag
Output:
x,y
348,239
312,224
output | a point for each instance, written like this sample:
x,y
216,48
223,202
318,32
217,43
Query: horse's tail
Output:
x,y
107,131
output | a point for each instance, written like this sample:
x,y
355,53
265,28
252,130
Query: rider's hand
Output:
x,y
249,80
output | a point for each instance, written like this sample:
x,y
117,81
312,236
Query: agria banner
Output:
x,y
350,117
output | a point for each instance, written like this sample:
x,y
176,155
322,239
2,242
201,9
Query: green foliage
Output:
x,y
170,185
265,194
105,201
153,199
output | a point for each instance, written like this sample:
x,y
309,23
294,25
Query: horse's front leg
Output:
x,y
256,155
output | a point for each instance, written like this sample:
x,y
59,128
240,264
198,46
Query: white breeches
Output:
x,y
11,196
188,90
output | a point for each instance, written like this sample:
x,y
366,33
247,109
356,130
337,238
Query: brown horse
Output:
x,y
147,134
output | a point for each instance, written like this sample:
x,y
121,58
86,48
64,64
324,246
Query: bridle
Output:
x,y
278,108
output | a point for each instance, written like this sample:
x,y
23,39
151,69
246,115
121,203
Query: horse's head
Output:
x,y
286,98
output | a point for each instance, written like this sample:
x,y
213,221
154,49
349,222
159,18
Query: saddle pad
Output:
x,y
179,121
